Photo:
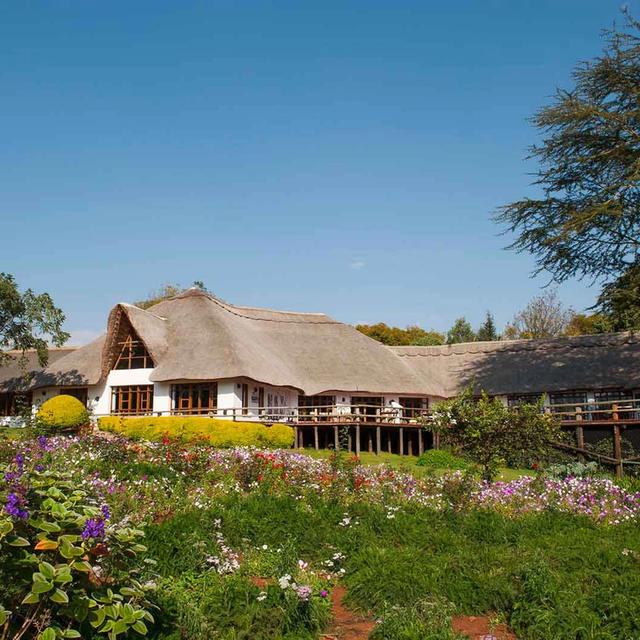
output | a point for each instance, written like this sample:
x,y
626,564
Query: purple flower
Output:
x,y
324,593
39,468
106,514
14,506
19,461
93,528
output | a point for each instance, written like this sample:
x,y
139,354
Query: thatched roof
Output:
x,y
18,373
529,366
209,339
195,336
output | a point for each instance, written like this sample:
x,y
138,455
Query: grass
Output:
x,y
409,464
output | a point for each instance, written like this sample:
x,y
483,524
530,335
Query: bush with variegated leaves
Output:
x,y
66,570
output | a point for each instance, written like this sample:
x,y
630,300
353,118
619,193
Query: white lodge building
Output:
x,y
194,354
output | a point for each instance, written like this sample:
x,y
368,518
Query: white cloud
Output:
x,y
356,265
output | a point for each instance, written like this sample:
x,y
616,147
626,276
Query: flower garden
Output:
x,y
106,537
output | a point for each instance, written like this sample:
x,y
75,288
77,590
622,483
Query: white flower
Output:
x,y
261,596
285,581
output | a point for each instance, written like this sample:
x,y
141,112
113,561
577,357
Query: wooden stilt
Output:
x,y
336,437
420,442
357,439
349,440
378,440
401,440
295,437
316,442
409,443
389,442
436,440
580,440
617,450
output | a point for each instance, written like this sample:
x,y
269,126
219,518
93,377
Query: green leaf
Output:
x,y
47,570
59,596
41,587
140,627
97,618
71,633
48,634
17,541
6,526
31,598
81,565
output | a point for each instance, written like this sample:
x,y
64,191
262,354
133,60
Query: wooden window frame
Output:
x,y
187,398
133,354
413,412
132,400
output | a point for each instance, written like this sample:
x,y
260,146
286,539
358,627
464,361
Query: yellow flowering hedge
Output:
x,y
62,413
215,431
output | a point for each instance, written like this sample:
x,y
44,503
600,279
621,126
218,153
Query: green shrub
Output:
x,y
442,459
214,431
62,413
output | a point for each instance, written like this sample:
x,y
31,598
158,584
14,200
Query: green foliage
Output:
x,y
216,432
587,222
62,413
442,459
26,319
57,581
487,331
582,324
460,332
412,335
619,301
489,433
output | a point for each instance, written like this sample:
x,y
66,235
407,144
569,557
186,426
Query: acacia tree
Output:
x,y
28,321
587,221
544,317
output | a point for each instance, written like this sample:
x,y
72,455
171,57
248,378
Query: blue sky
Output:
x,y
343,157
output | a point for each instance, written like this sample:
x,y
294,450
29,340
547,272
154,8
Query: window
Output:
x,y
413,407
200,398
12,404
132,354
574,399
132,399
81,393
514,401
314,406
366,408
605,401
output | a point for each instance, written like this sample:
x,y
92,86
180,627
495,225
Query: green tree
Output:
x,y
28,321
544,317
460,332
619,301
587,324
587,220
485,430
487,331
395,336
167,291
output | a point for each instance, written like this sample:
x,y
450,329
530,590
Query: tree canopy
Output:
x,y
28,321
395,336
461,332
587,222
544,317
487,331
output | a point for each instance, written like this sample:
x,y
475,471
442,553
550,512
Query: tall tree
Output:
x,y
460,332
619,301
544,317
165,292
28,321
587,222
487,331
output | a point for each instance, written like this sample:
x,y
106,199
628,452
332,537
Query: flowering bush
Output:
x,y
62,413
214,431
66,571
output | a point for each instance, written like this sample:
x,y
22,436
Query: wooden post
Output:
x,y
409,443
378,439
349,440
401,440
579,433
357,439
617,444
315,437
420,442
336,437
436,440
388,442
295,437
369,442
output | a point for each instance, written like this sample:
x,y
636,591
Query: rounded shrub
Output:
x,y
62,413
